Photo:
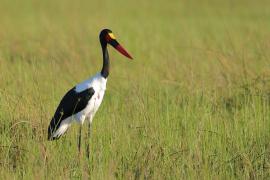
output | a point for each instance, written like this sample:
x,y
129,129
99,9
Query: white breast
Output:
x,y
98,83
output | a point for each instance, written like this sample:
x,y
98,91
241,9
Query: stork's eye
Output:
x,y
108,38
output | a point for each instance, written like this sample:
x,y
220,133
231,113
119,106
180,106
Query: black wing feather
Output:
x,y
72,103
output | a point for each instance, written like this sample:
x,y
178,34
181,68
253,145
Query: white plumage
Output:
x,y
98,83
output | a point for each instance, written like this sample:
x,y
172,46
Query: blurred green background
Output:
x,y
194,102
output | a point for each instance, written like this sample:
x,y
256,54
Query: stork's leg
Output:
x,y
87,140
80,139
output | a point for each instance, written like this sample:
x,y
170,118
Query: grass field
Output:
x,y
194,103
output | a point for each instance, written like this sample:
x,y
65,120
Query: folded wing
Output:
x,y
72,103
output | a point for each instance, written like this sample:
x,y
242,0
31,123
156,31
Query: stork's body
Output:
x,y
73,109
82,101
98,83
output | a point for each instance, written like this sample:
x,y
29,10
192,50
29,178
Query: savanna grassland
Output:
x,y
193,104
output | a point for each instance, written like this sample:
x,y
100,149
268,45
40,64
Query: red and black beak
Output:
x,y
118,47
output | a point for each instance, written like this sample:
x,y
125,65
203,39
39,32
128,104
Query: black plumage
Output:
x,y
72,103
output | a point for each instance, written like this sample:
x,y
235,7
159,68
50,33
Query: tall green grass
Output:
x,y
194,103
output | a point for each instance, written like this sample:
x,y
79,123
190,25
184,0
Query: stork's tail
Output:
x,y
54,134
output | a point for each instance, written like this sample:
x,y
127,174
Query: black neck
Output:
x,y
106,62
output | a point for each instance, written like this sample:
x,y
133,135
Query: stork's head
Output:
x,y
106,37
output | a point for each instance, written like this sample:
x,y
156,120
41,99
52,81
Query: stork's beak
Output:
x,y
118,47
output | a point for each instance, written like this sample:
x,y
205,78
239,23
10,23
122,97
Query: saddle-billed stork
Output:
x,y
82,101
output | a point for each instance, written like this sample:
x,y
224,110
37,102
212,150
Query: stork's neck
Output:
x,y
106,62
